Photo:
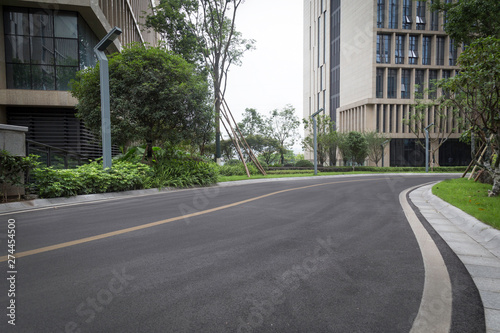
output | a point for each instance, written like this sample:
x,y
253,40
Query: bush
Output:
x,y
304,164
14,169
91,178
237,170
178,169
233,162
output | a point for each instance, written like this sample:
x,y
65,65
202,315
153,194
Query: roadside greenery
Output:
x,y
472,198
13,170
91,178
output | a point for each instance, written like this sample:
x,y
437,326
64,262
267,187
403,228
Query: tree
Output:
x,y
353,148
155,97
432,111
171,21
326,138
283,127
220,45
252,123
466,20
375,142
475,95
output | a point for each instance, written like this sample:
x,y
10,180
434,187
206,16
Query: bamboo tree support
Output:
x,y
235,140
473,161
244,141
478,161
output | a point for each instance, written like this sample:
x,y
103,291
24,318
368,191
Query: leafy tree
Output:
x,y
171,19
353,148
227,150
155,97
263,145
326,138
252,123
283,127
467,20
375,142
475,94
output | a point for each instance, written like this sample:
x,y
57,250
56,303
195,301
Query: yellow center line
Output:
x,y
153,224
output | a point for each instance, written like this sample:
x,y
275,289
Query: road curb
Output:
x,y
476,244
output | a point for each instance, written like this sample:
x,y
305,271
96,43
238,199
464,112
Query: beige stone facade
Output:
x,y
390,52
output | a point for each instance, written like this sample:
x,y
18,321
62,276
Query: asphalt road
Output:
x,y
321,255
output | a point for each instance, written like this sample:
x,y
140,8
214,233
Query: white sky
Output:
x,y
271,75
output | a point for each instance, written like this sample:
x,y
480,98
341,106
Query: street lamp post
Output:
x,y
315,142
427,147
104,77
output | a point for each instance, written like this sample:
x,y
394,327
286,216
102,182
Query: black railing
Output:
x,y
53,156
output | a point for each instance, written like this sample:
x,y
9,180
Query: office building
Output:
x,y
42,45
365,63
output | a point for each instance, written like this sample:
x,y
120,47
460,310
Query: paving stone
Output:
x,y
491,300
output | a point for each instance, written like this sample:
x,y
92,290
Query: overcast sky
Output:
x,y
271,75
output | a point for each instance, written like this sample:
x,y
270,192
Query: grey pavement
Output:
x,y
476,244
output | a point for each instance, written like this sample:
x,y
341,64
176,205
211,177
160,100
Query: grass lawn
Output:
x,y
472,198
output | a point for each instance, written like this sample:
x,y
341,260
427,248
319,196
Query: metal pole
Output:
x,y
105,105
315,141
427,148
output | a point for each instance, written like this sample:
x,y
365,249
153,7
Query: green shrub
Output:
x,y
233,162
237,170
177,169
14,169
304,164
91,178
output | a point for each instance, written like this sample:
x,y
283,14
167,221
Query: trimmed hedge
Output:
x,y
375,169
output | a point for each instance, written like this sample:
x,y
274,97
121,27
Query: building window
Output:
x,y
383,49
440,51
407,14
413,50
405,83
400,49
420,15
380,83
453,53
446,74
435,20
392,77
432,83
44,49
380,13
393,14
426,50
419,83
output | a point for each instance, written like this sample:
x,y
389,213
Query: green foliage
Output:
x,y
14,169
237,169
171,21
353,147
475,95
326,136
91,178
283,128
375,142
173,167
155,97
467,20
233,162
304,164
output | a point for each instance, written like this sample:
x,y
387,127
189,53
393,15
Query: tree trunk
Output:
x,y
495,190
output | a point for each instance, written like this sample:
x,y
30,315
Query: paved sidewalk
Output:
x,y
475,243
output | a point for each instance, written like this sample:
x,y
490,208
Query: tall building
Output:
x,y
43,43
365,63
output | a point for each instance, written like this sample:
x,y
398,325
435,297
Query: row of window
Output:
x,y
44,48
415,42
407,77
406,14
